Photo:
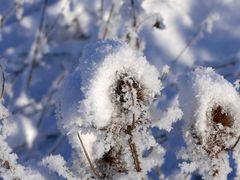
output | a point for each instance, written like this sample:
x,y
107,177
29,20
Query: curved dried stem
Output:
x,y
108,21
3,83
234,144
37,42
132,144
88,158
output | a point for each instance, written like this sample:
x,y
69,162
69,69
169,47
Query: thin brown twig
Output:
x,y
56,145
225,65
134,24
3,83
131,143
101,9
50,95
88,158
50,29
36,49
235,144
133,146
8,13
108,21
194,36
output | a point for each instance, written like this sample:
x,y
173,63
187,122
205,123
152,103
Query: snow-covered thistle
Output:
x,y
115,113
211,110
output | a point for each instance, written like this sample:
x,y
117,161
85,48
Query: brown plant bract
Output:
x,y
216,140
217,137
126,92
126,81
6,165
218,116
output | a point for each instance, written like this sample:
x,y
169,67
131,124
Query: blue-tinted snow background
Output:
x,y
42,42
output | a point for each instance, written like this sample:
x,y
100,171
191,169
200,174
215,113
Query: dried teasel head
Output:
x,y
130,100
112,161
220,135
127,91
117,108
5,164
220,132
211,112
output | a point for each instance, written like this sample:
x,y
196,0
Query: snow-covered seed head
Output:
x,y
127,91
220,136
213,115
112,161
212,122
117,103
219,116
220,132
128,96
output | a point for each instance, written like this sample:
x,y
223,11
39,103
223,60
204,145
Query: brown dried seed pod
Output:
x,y
5,164
126,93
218,116
126,81
220,132
216,141
112,161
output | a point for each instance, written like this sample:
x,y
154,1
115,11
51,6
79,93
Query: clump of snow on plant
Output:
x,y
122,88
112,123
58,164
203,95
98,100
3,111
9,167
69,117
203,89
165,119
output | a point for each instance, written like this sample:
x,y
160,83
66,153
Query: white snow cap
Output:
x,y
121,59
101,124
211,112
203,90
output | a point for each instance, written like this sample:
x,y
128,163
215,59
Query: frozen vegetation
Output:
x,y
119,89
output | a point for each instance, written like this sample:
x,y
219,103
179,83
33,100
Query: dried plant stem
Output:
x,y
101,9
134,154
133,146
52,27
88,158
56,145
3,84
7,14
37,42
189,43
108,21
134,23
235,144
194,36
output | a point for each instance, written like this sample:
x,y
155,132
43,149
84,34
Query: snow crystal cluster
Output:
x,y
211,112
